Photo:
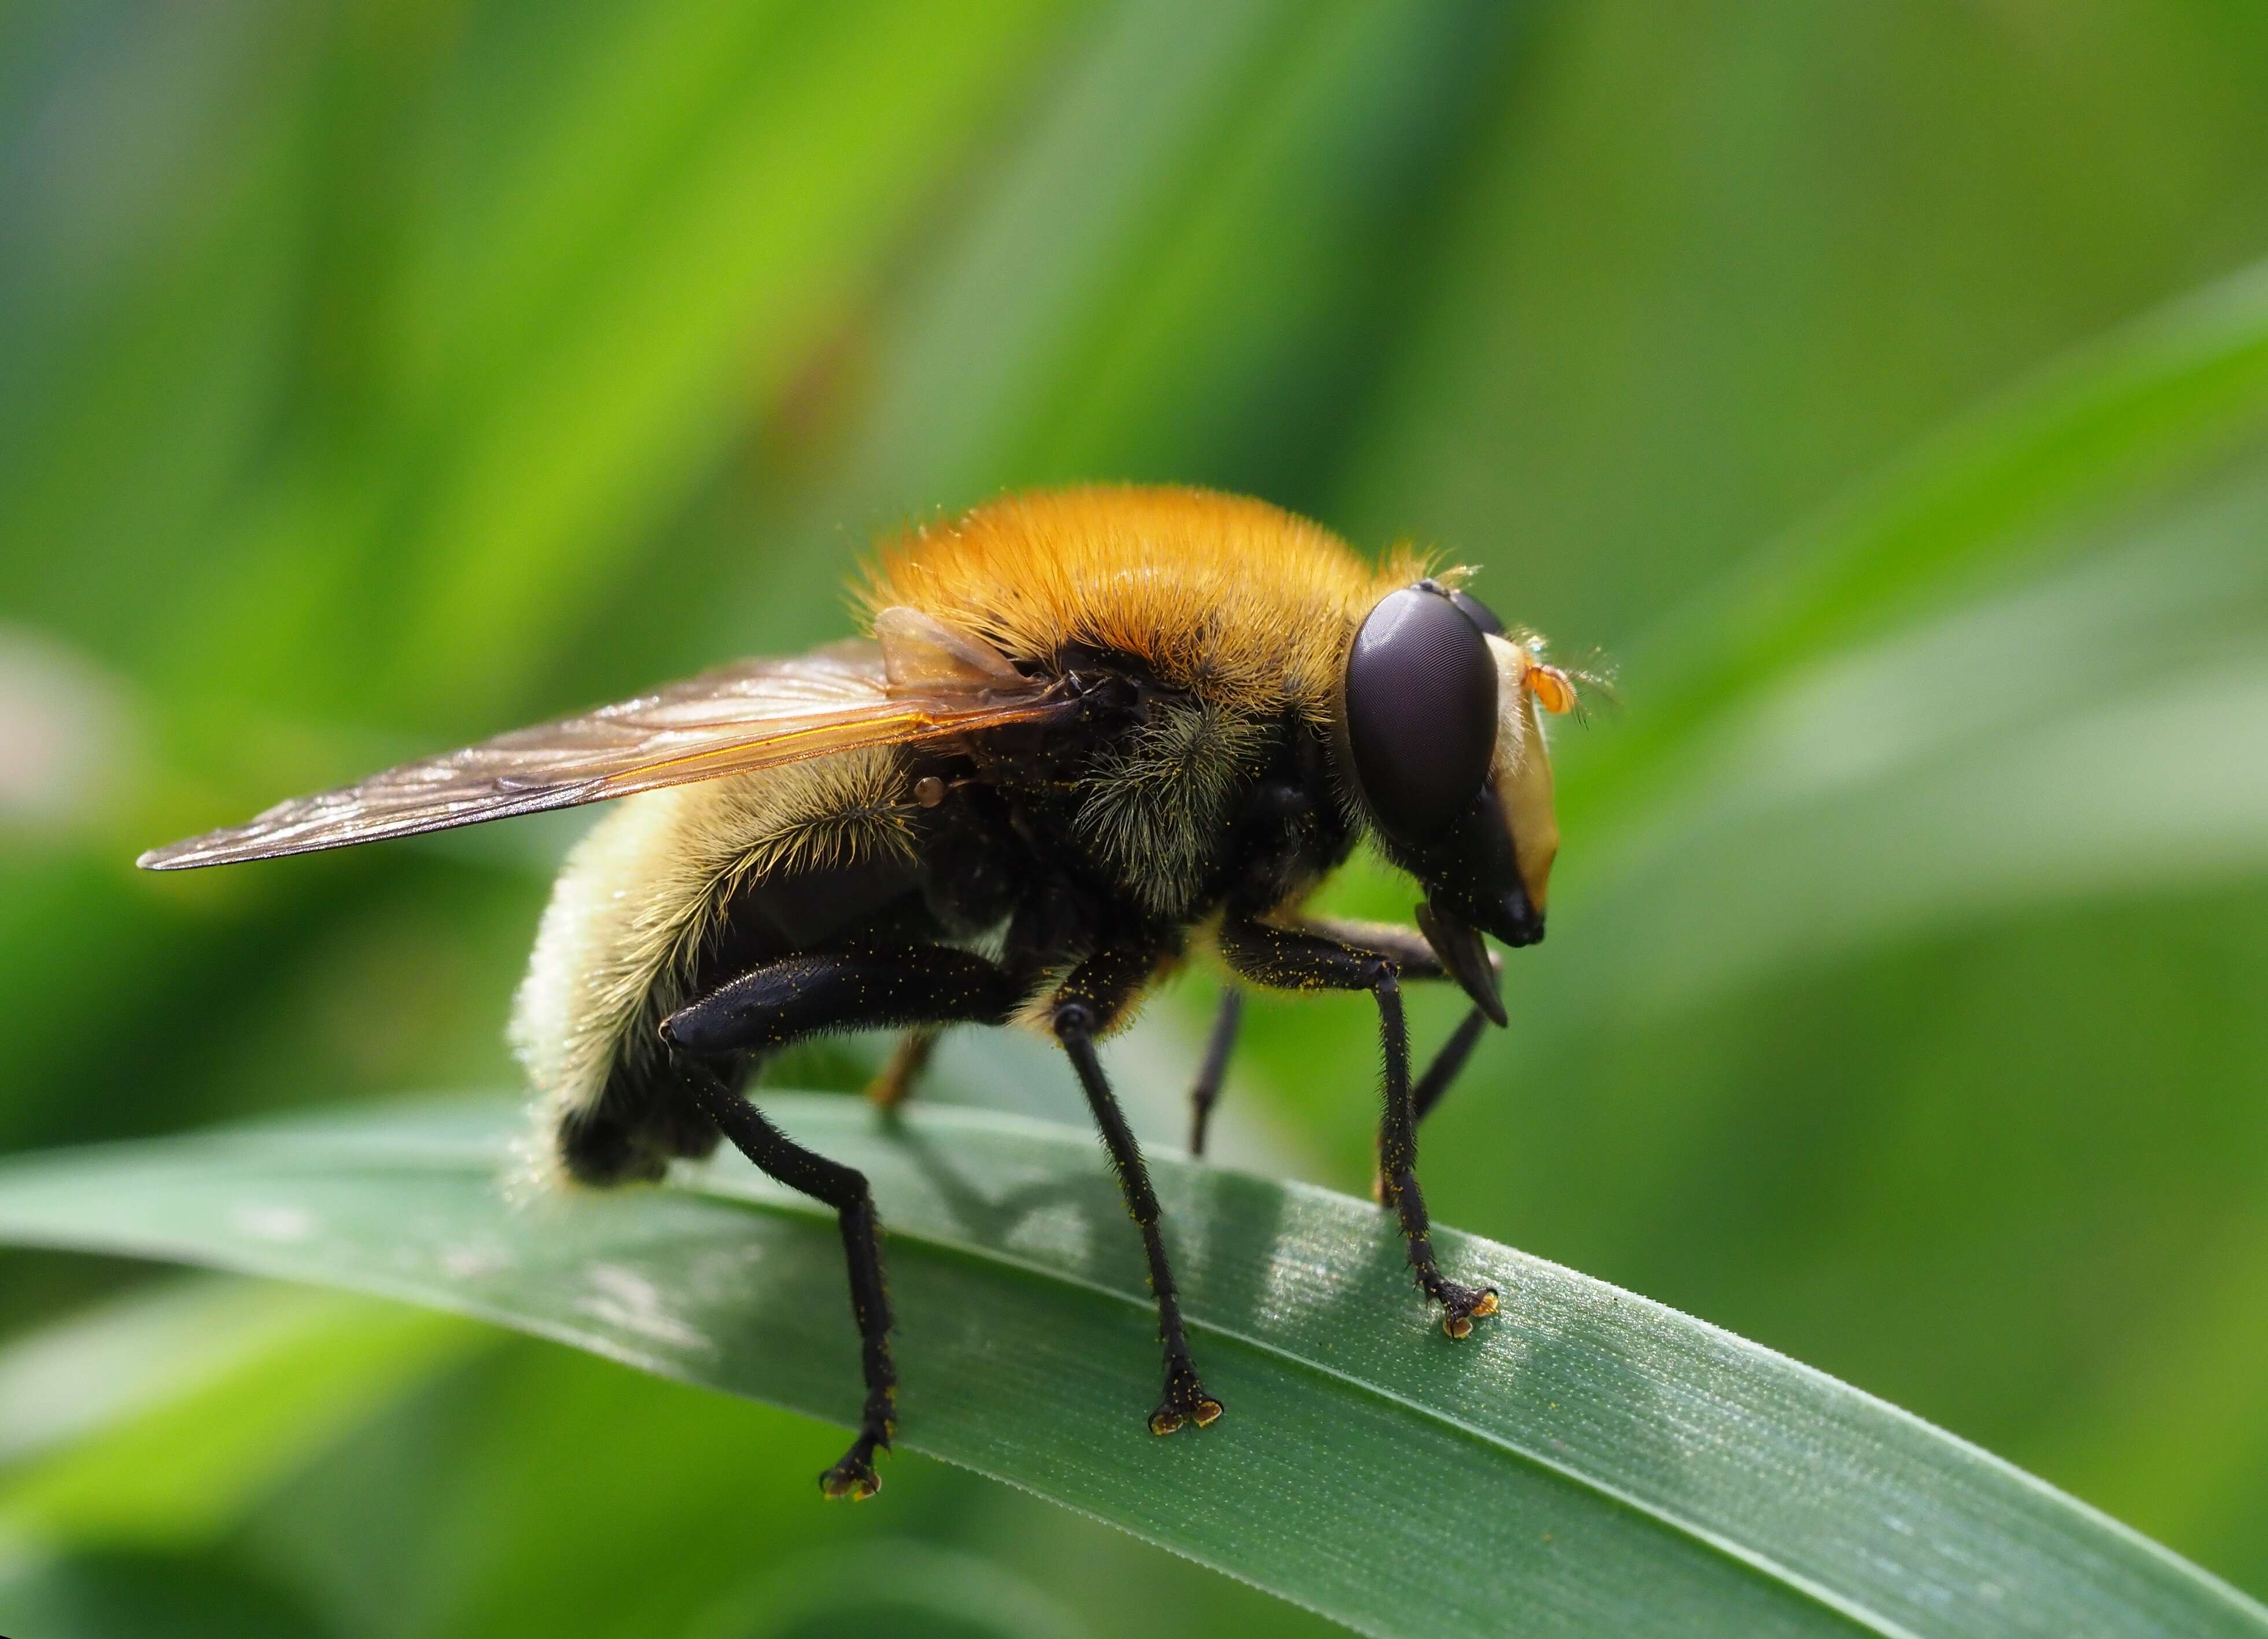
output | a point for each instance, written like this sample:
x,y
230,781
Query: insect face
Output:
x,y
1442,741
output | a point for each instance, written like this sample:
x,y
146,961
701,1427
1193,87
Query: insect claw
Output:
x,y
1186,1402
1461,1305
844,1480
854,1477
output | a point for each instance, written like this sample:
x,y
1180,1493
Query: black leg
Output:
x,y
1415,959
1089,999
1217,1045
801,996
786,1001
844,1189
1450,1060
1397,1158
1298,959
1405,947
1447,1062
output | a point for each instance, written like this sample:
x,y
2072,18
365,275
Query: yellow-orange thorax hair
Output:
x,y
1240,602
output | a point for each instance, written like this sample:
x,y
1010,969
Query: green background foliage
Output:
x,y
1885,390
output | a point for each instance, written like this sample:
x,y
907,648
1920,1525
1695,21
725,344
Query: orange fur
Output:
x,y
1240,602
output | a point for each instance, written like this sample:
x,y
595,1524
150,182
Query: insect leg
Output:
x,y
1416,959
1405,947
1217,1045
1088,1000
785,1001
894,1082
1447,1062
844,1189
800,996
1299,959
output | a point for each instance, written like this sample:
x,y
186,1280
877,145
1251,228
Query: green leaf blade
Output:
x,y
1588,1463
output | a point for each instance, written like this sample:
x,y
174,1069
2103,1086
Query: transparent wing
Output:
x,y
752,715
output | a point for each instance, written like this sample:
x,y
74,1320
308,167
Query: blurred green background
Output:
x,y
1884,389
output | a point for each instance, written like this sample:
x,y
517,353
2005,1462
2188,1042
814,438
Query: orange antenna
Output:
x,y
1554,689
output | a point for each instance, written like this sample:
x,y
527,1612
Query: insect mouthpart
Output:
x,y
1458,943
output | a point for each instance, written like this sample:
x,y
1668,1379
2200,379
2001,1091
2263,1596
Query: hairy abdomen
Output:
x,y
673,892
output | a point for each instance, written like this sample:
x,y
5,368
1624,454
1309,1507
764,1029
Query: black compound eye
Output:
x,y
1479,613
1420,711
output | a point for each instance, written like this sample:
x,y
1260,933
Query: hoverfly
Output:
x,y
1090,731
